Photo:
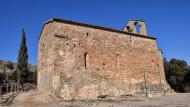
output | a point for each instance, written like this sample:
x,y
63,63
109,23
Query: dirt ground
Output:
x,y
37,99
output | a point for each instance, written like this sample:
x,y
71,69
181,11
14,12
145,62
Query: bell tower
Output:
x,y
136,26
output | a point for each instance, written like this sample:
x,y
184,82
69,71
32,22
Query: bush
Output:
x,y
177,74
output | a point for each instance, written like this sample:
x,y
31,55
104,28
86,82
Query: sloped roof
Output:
x,y
95,27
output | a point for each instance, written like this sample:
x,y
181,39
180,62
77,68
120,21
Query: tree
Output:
x,y
177,74
166,68
22,61
186,83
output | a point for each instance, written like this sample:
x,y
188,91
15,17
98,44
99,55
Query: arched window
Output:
x,y
137,26
86,58
129,29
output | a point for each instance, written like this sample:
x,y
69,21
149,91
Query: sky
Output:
x,y
167,20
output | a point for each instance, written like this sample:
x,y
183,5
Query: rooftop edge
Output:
x,y
93,26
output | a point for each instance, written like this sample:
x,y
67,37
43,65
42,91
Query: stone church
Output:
x,y
84,61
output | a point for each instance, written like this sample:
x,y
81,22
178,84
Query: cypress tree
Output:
x,y
22,61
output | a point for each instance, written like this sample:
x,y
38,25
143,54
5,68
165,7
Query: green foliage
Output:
x,y
22,61
29,77
177,74
14,75
22,73
186,83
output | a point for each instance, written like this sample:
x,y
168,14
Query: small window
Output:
x,y
86,34
43,44
86,58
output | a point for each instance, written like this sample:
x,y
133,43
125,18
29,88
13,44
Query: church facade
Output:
x,y
83,61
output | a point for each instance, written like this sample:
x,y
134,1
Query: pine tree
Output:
x,y
22,61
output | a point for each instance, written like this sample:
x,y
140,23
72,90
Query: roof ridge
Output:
x,y
94,26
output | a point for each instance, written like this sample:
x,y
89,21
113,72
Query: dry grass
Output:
x,y
38,99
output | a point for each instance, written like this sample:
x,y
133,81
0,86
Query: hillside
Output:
x,y
9,67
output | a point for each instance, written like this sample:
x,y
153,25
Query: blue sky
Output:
x,y
167,20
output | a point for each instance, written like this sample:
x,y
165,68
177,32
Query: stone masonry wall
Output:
x,y
79,62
